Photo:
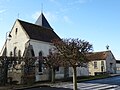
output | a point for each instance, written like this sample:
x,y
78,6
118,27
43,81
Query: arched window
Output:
x,y
19,53
40,61
16,30
15,51
11,53
40,53
32,53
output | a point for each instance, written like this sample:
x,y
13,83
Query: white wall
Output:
x,y
59,74
42,76
81,71
18,39
44,47
92,70
110,59
118,68
41,46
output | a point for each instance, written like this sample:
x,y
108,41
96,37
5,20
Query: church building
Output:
x,y
35,37
33,40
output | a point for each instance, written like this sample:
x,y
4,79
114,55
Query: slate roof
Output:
x,y
42,21
97,55
38,32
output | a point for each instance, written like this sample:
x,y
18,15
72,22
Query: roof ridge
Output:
x,y
102,51
33,24
37,32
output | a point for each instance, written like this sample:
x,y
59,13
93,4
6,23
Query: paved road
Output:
x,y
112,83
49,88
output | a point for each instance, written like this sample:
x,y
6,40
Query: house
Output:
x,y
32,40
118,66
101,62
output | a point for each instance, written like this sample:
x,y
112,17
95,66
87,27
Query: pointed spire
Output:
x,y
42,21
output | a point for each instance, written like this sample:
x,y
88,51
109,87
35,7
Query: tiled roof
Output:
x,y
97,55
38,32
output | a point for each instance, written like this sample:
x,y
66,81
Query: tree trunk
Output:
x,y
74,78
50,74
53,75
66,72
5,72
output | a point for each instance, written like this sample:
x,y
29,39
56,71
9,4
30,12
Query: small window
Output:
x,y
57,68
102,63
40,66
19,53
16,30
15,51
95,65
102,66
11,53
32,52
40,53
111,65
40,61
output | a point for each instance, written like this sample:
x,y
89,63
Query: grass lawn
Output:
x,y
86,78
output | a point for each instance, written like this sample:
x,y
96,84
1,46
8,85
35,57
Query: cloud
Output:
x,y
2,11
67,19
36,15
5,0
49,16
79,2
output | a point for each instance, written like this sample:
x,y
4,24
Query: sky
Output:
x,y
96,21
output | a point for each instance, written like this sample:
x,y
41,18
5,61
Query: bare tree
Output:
x,y
70,53
51,63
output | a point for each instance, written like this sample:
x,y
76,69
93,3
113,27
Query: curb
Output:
x,y
36,86
99,78
29,87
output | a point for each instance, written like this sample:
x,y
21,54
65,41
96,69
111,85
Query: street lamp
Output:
x,y
7,38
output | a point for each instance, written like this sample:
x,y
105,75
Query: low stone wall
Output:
x,y
15,75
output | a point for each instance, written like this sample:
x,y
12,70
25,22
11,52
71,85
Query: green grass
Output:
x,y
86,78
83,78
